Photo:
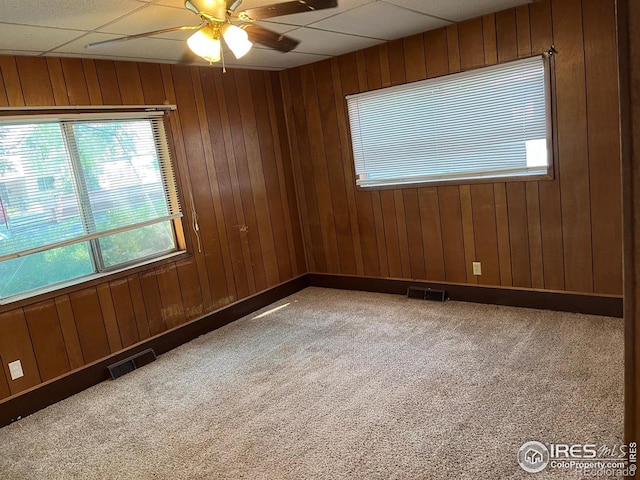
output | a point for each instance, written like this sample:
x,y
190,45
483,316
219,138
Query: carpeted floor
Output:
x,y
336,385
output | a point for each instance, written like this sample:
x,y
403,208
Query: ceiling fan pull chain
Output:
x,y
224,68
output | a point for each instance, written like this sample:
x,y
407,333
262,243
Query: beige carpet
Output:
x,y
336,385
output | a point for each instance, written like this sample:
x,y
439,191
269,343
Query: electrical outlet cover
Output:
x,y
477,268
15,368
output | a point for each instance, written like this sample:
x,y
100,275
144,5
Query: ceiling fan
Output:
x,y
219,20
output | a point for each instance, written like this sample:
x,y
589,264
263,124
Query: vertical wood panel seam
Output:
x,y
15,63
495,217
345,148
248,207
26,323
84,78
234,179
4,88
212,175
515,18
508,234
66,90
424,255
466,233
556,144
67,341
302,164
303,192
108,291
473,227
495,38
530,34
279,160
540,222
184,175
119,81
495,223
269,162
84,361
444,257
321,128
586,116
526,216
290,123
254,162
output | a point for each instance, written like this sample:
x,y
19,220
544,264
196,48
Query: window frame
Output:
x,y
101,272
549,66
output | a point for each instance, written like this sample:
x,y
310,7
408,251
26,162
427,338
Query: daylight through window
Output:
x,y
493,122
82,195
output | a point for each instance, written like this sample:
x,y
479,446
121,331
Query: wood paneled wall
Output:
x,y
563,234
231,151
629,60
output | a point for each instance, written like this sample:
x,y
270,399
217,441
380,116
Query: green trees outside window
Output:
x,y
80,196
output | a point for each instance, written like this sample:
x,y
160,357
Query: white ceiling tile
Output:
x,y
114,57
458,10
329,43
35,39
152,18
380,20
84,15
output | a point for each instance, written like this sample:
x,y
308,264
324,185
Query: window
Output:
x,y
487,123
82,194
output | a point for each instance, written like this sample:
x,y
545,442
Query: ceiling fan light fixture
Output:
x,y
219,19
206,44
237,39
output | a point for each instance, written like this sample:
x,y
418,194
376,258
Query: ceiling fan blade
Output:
x,y
269,38
143,35
190,6
287,8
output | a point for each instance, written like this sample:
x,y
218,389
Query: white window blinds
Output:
x,y
485,123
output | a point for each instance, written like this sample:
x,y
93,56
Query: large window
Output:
x,y
487,123
82,195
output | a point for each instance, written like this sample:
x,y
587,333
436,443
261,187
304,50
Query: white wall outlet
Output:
x,y
477,268
15,368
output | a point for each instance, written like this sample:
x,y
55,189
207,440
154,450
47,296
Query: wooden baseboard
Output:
x,y
25,403
609,305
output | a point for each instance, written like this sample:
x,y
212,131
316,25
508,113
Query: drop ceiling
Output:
x,y
64,28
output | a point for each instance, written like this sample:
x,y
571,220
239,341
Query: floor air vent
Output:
x,y
424,293
129,364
